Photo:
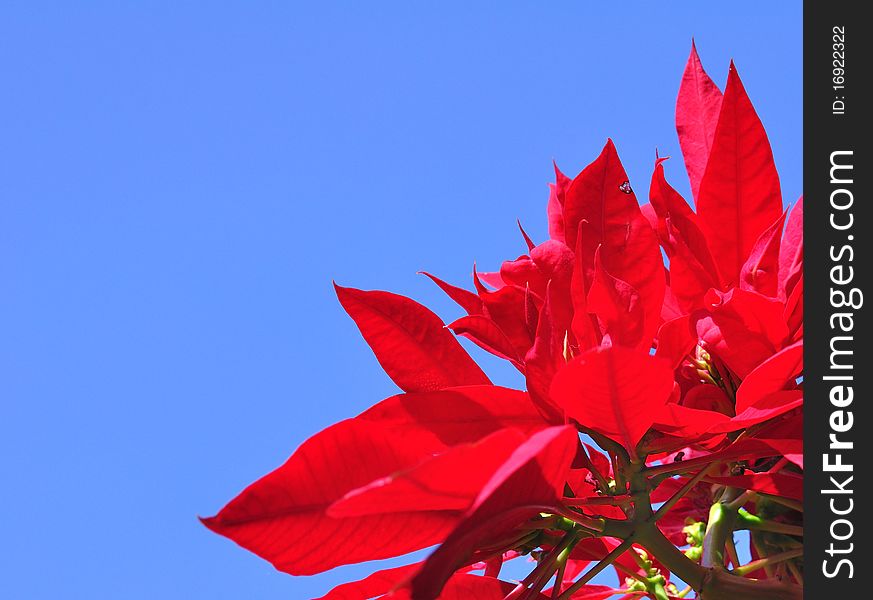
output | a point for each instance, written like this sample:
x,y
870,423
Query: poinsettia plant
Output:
x,y
661,415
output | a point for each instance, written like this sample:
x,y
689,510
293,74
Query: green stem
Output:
x,y
773,559
746,520
721,585
592,573
671,557
792,504
733,555
718,527
559,575
657,590
684,490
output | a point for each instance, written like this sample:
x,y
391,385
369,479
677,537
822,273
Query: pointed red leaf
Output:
x,y
690,281
281,517
489,278
555,209
769,407
555,260
671,309
447,481
456,415
467,300
600,592
697,110
791,251
774,374
615,391
508,307
528,482
485,333
463,586
601,197
372,586
675,341
739,193
670,206
760,272
523,272
410,342
618,308
544,359
793,313
527,240
583,324
742,328
785,485
688,422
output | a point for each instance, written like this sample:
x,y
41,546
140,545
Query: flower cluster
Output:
x,y
662,409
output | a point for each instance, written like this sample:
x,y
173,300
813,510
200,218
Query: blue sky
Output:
x,y
180,182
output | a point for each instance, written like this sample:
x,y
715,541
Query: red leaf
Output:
x,y
600,196
785,485
530,243
467,300
773,375
447,481
281,517
742,328
697,110
456,415
485,333
523,272
670,206
490,278
544,359
463,586
615,391
530,480
739,193
597,548
760,272
709,397
507,307
688,422
690,281
793,313
557,192
770,407
410,342
597,592
618,308
675,341
791,252
555,260
372,586
583,323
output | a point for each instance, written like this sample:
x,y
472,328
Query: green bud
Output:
x,y
694,553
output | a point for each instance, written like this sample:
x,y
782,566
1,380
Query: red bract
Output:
x,y
686,375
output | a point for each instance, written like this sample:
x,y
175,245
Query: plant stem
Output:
x,y
684,490
732,551
792,504
718,527
602,483
593,571
746,520
767,560
559,576
548,565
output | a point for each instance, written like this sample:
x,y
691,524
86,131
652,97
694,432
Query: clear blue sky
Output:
x,y
181,181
